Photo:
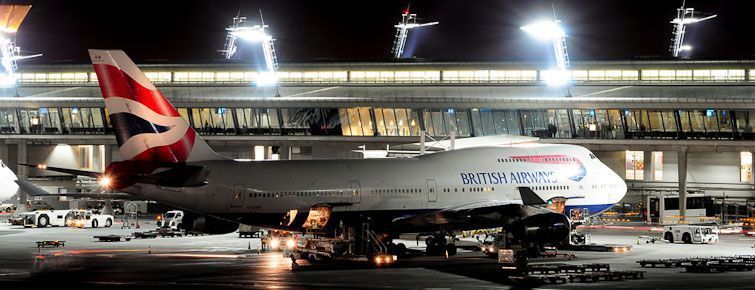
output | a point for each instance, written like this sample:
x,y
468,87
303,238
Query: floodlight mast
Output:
x,y
230,39
240,29
552,30
684,16
408,21
10,54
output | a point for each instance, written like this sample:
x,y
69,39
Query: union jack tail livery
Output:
x,y
147,127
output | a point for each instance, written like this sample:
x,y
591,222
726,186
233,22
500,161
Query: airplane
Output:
x,y
8,189
507,186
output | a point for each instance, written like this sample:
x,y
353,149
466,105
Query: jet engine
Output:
x,y
208,225
537,227
544,228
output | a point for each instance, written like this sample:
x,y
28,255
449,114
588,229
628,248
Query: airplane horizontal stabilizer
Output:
x,y
65,170
31,189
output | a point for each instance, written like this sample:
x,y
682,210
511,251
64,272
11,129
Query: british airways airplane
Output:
x,y
471,188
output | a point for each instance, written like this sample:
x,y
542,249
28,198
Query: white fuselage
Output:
x,y
8,188
434,181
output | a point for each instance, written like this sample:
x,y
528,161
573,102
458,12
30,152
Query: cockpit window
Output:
x,y
592,156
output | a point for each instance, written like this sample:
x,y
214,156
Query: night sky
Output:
x,y
362,30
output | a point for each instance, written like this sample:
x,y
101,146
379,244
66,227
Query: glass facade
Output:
x,y
184,76
383,121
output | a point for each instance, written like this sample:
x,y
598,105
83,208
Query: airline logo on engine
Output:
x,y
522,177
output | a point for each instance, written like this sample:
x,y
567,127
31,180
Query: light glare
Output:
x,y
556,78
253,35
545,30
105,181
266,79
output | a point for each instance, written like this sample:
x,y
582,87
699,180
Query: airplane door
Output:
x,y
356,196
432,190
238,195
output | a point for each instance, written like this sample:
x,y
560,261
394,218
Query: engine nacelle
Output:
x,y
543,228
208,225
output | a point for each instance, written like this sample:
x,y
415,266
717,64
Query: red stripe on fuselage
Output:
x,y
116,83
549,159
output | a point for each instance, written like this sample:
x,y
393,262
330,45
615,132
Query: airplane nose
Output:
x,y
621,189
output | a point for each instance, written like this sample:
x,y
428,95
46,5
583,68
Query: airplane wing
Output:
x,y
485,213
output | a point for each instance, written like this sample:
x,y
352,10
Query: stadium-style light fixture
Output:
x,y
551,30
545,30
240,30
408,22
684,17
11,16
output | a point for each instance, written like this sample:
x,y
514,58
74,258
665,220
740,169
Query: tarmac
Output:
x,y
227,261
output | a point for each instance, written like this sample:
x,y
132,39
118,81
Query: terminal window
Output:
x,y
745,167
635,165
657,165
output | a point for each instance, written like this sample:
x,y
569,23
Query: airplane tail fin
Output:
x,y
147,127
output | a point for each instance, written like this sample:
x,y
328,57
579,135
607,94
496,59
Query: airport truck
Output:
x,y
689,234
7,207
172,220
88,219
348,245
45,218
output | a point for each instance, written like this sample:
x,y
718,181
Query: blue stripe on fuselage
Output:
x,y
593,209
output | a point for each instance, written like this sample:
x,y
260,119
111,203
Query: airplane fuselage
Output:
x,y
268,193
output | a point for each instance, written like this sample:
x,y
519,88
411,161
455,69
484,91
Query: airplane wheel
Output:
x,y
94,223
108,223
400,249
669,237
43,221
451,249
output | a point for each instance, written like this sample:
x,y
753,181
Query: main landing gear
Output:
x,y
438,244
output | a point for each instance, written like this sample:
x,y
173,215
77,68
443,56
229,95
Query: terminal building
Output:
x,y
666,126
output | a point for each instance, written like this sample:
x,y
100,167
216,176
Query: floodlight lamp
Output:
x,y
685,48
545,30
252,35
